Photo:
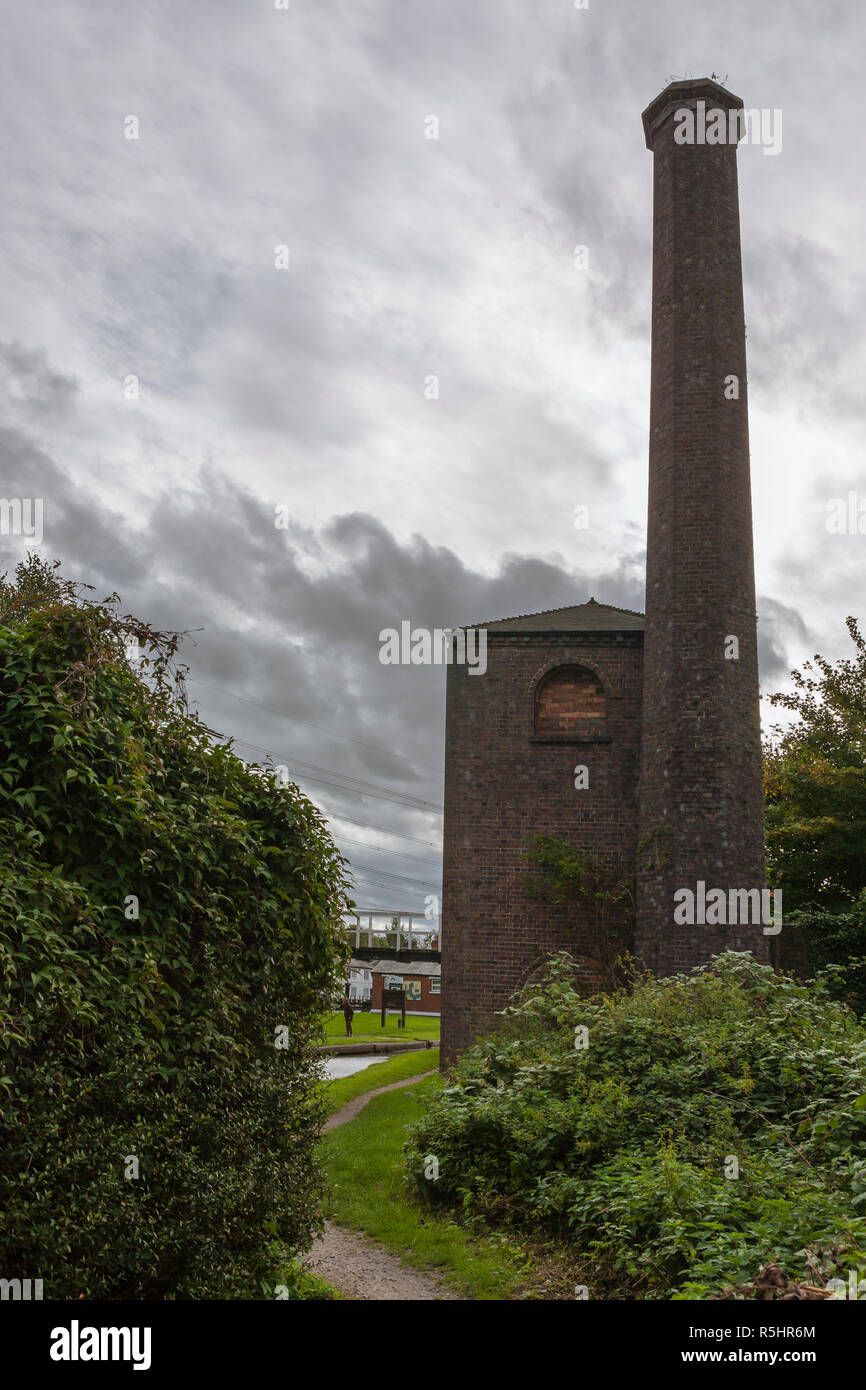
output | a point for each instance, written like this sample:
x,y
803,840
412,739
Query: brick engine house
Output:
x,y
636,738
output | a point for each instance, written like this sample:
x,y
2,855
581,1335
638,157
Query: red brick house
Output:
x,y
421,981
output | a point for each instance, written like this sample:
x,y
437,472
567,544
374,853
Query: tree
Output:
x,y
815,791
169,934
815,782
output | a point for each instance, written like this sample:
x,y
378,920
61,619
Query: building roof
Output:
x,y
398,967
582,617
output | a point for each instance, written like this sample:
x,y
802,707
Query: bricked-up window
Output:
x,y
566,699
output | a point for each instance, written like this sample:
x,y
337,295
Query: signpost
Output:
x,y
393,997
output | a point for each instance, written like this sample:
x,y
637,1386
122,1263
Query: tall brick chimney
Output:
x,y
701,806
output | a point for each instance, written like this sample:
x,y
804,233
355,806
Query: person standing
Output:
x,y
348,1014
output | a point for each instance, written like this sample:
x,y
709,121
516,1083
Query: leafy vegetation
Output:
x,y
300,1284
815,784
169,933
368,1193
588,887
714,1122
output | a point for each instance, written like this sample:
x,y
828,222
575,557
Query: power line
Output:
x,y
397,854
398,834
374,747
362,871
365,825
380,829
389,888
337,786
360,789
398,878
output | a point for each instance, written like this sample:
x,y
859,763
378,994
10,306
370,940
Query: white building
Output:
x,y
360,985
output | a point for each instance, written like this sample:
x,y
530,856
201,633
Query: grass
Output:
x,y
369,1026
347,1088
301,1284
364,1163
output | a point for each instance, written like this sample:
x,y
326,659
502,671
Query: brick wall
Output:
x,y
508,775
567,697
701,790
429,1003
503,782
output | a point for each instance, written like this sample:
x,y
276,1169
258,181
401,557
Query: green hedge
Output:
x,y
625,1146
151,1036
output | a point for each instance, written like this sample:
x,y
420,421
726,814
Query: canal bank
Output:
x,y
354,1047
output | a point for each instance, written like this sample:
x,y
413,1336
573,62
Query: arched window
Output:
x,y
566,698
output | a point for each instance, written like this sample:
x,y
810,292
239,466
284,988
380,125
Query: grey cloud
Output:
x,y
796,284
268,631
779,627
408,257
30,389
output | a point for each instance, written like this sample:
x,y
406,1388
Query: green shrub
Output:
x,y
149,1036
626,1146
835,942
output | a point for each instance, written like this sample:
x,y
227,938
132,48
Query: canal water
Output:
x,y
347,1066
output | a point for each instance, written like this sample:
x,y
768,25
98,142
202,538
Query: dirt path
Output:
x,y
354,1107
356,1265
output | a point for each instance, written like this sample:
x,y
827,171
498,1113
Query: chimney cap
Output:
x,y
686,93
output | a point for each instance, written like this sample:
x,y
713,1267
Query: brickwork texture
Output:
x,y
666,720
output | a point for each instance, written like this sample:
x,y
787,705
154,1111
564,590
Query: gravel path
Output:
x,y
360,1268
354,1107
356,1265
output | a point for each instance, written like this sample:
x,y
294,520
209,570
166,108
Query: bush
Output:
x,y
835,944
164,910
629,1146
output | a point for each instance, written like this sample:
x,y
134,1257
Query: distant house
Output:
x,y
421,981
360,983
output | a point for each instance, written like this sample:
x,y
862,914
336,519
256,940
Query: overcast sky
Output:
x,y
307,387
